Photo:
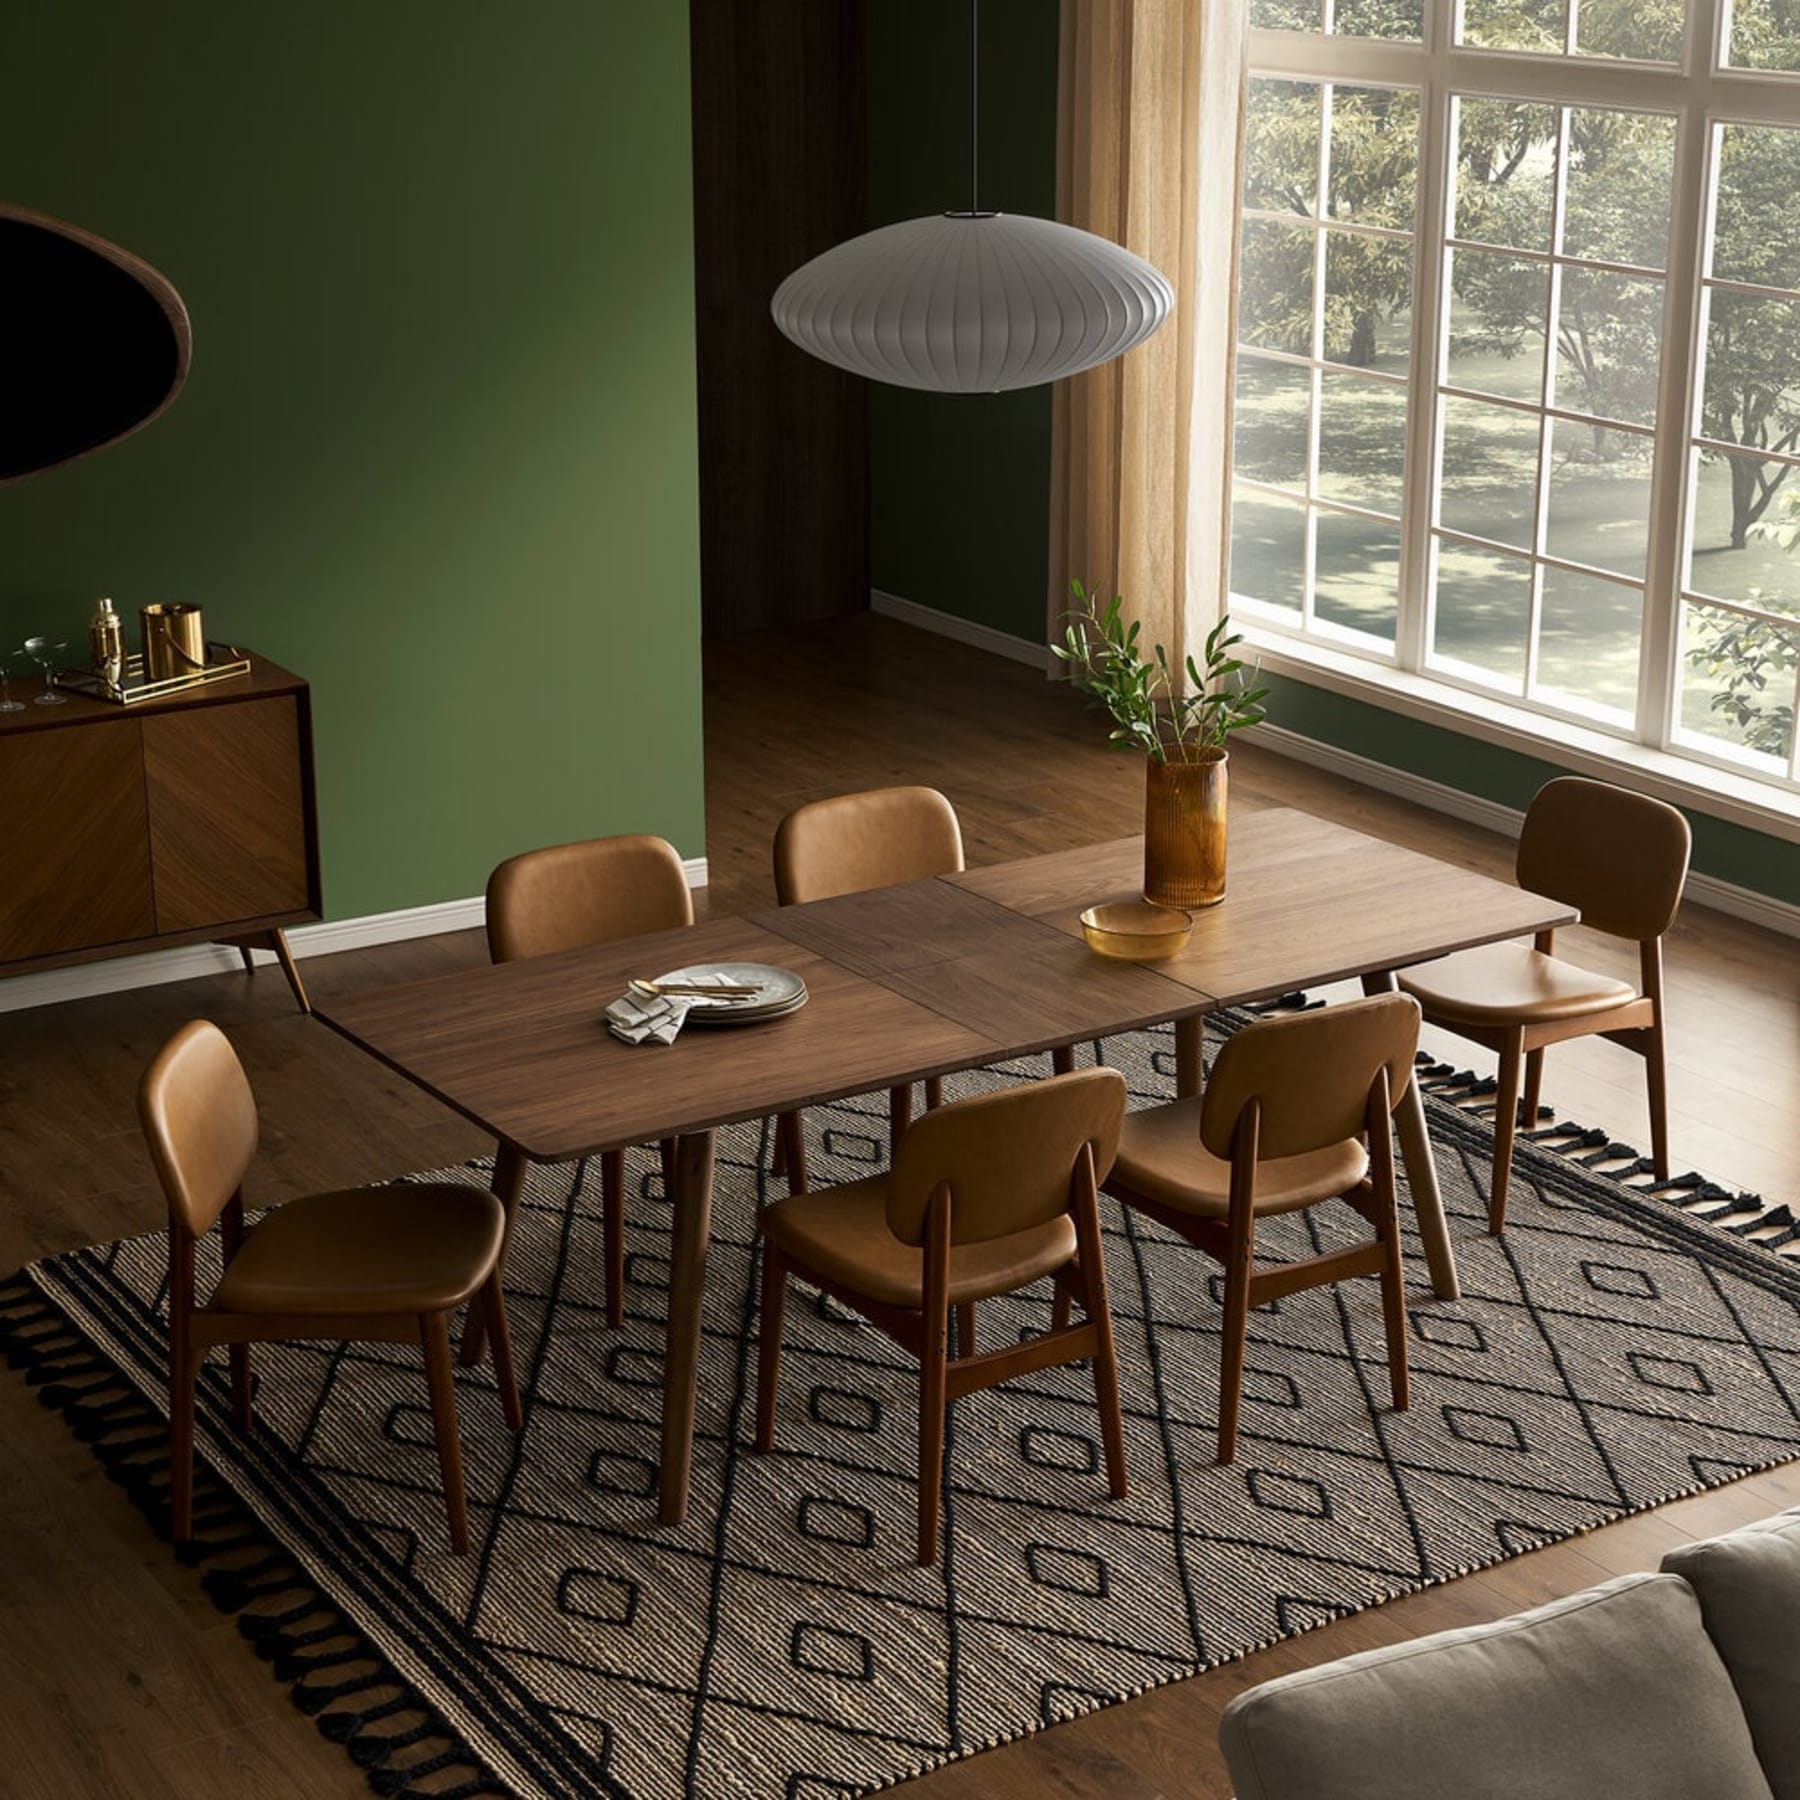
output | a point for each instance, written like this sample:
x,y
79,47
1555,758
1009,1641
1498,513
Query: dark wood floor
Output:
x,y
120,1677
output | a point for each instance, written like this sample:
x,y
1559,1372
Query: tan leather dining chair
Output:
x,y
382,1265
985,1197
1622,859
573,895
1296,1111
847,845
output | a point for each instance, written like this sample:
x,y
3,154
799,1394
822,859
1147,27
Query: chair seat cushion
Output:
x,y
408,1248
842,1234
1615,1692
1510,984
1162,1158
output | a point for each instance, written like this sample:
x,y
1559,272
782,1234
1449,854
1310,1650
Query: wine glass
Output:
x,y
7,702
44,653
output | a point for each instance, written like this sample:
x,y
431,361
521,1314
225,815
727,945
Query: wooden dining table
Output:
x,y
906,983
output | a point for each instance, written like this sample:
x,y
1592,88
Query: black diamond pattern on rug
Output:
x,y
1606,1354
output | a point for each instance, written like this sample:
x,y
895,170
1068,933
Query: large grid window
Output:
x,y
1518,377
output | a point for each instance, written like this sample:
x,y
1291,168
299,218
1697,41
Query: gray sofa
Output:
x,y
1683,1685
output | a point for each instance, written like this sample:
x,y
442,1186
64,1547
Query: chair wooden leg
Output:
x,y
241,1415
440,1378
1062,1307
183,1372
1106,1362
790,1140
1506,1119
612,1201
1393,1273
899,1116
492,1301
934,1391
965,1329
1062,1059
768,1351
1239,1259
933,1399
1534,1090
1656,1083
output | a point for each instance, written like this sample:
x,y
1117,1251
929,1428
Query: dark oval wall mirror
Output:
x,y
96,343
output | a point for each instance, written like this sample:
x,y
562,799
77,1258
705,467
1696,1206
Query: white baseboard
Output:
x,y
80,981
963,631
1702,890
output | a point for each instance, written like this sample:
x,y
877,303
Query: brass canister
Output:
x,y
174,640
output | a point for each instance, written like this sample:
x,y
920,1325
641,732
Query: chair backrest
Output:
x,y
857,841
199,1119
1310,1073
1008,1158
1621,857
576,894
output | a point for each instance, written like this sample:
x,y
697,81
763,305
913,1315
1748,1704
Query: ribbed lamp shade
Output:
x,y
975,304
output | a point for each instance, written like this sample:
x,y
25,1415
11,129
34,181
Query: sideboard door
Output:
x,y
74,850
227,812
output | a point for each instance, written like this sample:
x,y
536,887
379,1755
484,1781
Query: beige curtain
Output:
x,y
1149,153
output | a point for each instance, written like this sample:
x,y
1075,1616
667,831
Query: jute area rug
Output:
x,y
1608,1354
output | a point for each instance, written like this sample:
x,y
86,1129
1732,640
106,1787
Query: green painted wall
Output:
x,y
960,500
960,483
437,453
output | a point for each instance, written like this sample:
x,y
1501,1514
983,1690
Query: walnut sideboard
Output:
x,y
175,821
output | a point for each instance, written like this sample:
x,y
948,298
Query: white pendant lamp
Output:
x,y
972,302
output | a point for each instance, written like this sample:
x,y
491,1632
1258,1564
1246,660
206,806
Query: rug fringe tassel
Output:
x,y
1768,1226
305,1639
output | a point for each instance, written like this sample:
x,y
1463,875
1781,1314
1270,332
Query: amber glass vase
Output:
x,y
1184,830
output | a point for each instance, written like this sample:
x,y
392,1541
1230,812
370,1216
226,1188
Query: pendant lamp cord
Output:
x,y
974,108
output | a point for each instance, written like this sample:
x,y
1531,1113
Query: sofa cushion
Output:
x,y
1749,1588
1617,1691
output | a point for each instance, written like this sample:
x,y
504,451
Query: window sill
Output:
x,y
1702,787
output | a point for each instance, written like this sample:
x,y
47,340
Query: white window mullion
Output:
x,y
1794,733
1540,524
1677,411
1428,348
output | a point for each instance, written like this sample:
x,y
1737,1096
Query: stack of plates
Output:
x,y
778,992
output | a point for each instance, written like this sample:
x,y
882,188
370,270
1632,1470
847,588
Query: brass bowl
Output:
x,y
1136,930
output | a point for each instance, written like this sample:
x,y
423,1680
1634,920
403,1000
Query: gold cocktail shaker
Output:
x,y
106,639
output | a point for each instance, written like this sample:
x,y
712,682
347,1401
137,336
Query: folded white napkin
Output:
x,y
651,1019
654,1018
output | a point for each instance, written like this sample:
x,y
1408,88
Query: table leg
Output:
x,y
509,1184
687,1288
1190,1060
1421,1172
